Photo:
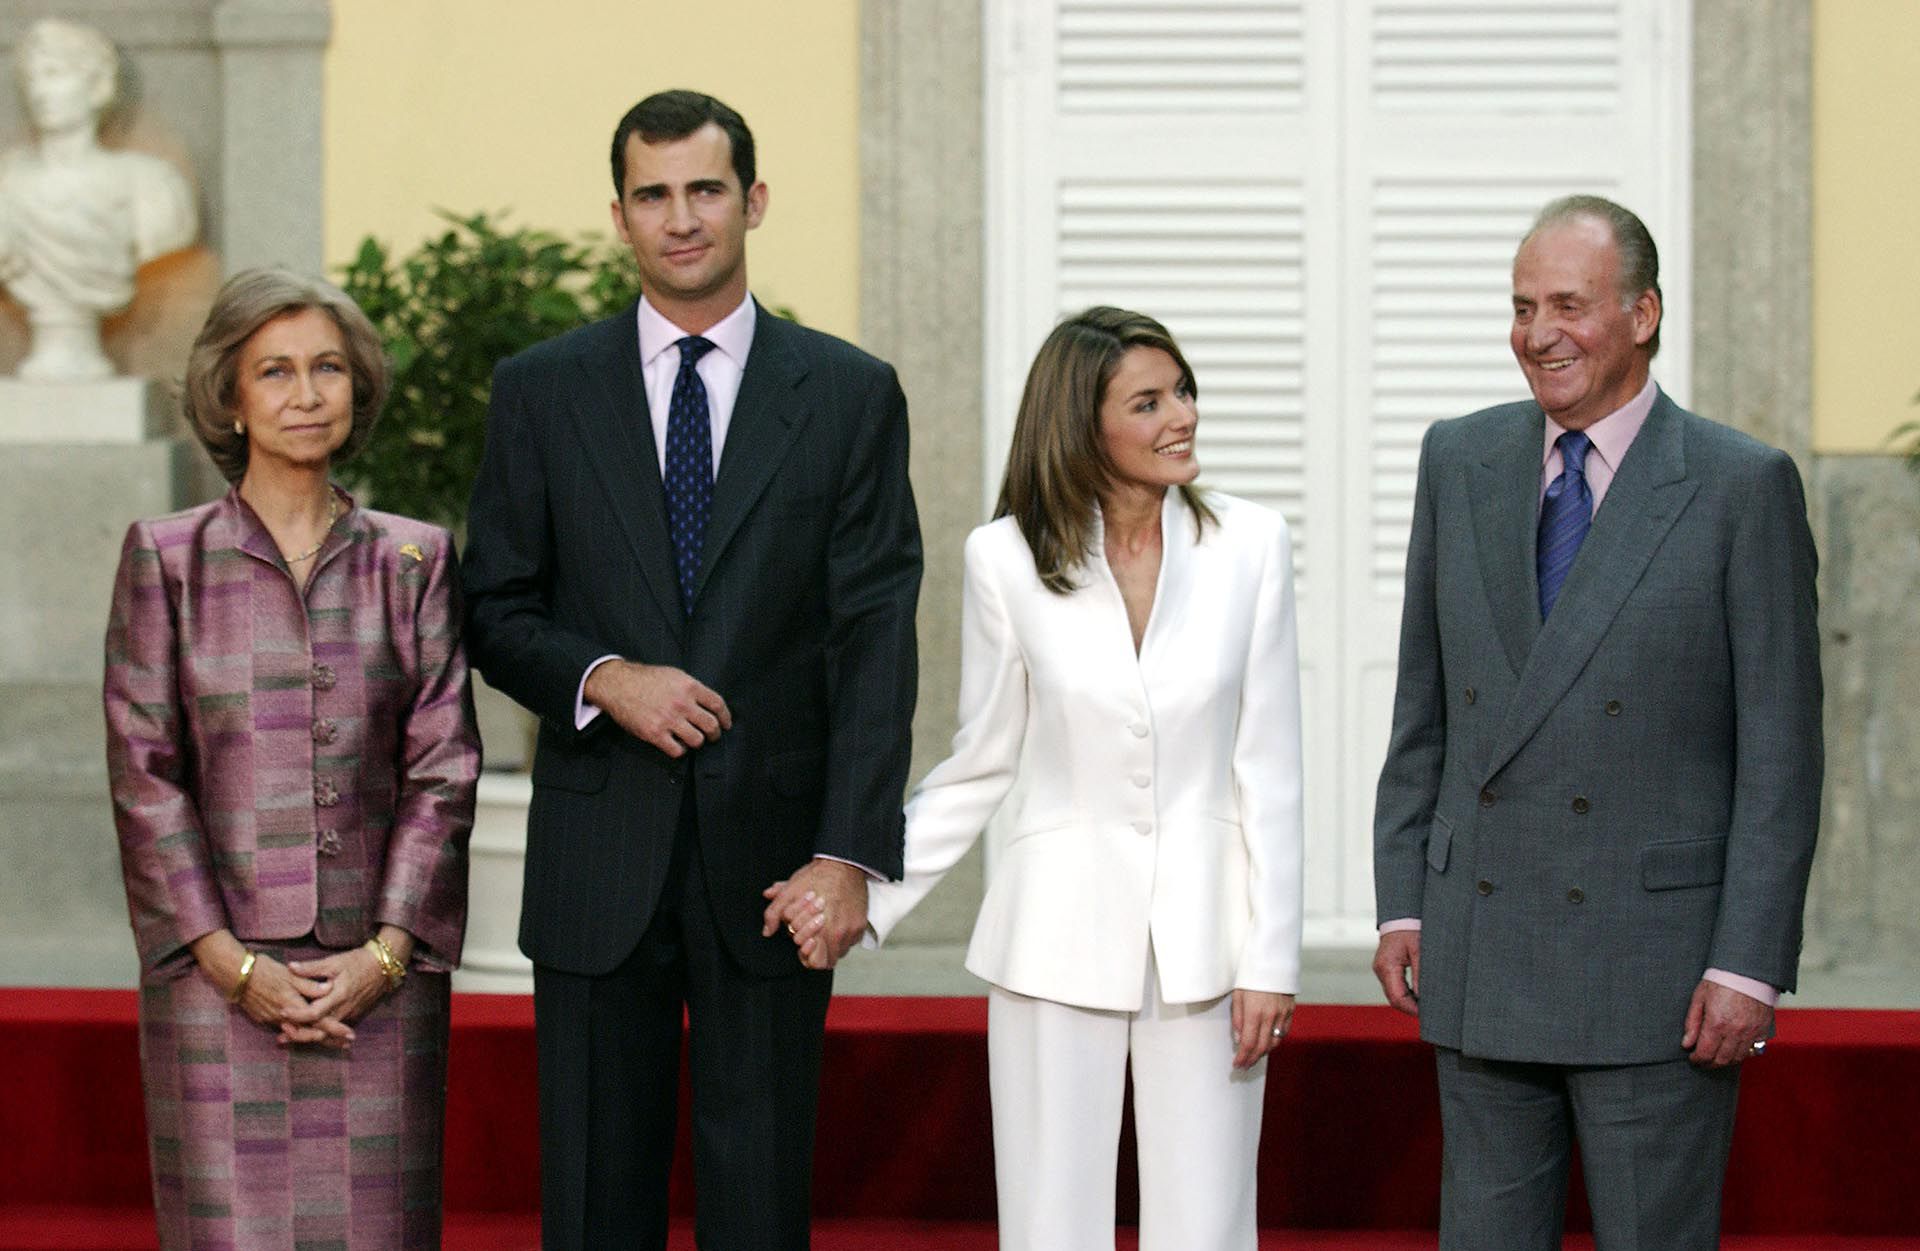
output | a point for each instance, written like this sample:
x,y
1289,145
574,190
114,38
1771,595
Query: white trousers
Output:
x,y
1057,1075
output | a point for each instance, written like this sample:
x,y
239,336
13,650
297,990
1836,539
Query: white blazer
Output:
x,y
1159,795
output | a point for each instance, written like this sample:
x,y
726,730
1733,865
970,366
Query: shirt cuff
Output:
x,y
872,876
583,712
1747,986
1404,923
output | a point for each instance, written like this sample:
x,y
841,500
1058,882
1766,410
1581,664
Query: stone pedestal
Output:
x,y
497,863
65,506
122,411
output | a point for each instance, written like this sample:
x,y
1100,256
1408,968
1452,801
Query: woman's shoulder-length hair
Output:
x,y
1057,466
249,300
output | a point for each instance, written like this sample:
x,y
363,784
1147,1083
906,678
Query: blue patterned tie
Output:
x,y
689,468
1566,514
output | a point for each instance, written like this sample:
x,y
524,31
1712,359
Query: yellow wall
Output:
x,y
488,104
1866,221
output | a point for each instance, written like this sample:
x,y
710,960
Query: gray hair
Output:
x,y
1639,258
249,300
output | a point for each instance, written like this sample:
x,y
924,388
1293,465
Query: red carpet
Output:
x,y
1824,1145
81,1229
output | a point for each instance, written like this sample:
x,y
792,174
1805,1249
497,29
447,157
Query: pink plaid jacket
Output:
x,y
284,764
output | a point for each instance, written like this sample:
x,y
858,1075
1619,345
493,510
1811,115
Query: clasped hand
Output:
x,y
306,1001
314,1001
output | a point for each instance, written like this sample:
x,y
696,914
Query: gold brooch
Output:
x,y
412,551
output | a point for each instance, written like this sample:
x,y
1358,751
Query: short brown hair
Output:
x,y
249,300
1057,467
668,115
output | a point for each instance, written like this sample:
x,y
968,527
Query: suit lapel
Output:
x,y
1646,498
1505,498
617,431
767,415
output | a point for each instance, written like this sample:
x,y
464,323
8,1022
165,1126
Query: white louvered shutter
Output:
x,y
1321,201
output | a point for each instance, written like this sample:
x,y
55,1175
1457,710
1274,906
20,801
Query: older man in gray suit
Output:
x,y
1598,809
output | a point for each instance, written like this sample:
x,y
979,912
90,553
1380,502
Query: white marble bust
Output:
x,y
77,219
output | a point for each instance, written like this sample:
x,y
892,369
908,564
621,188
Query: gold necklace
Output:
x,y
333,519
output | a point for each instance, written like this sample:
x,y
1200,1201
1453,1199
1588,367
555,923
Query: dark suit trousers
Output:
x,y
610,1085
1653,1150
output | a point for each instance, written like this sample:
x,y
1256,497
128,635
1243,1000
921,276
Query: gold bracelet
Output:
x,y
246,971
390,966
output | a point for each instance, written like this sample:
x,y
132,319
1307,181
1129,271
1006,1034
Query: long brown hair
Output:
x,y
1058,467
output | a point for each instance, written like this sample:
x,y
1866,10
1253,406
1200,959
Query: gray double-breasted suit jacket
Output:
x,y
1587,814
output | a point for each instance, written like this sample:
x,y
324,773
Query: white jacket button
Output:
x,y
1142,781
1139,729
1143,827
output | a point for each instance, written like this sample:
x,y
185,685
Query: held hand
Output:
x,y
658,705
1723,1025
824,906
1260,1020
1396,962
804,915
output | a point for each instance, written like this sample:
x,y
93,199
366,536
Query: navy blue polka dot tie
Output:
x,y
689,468
1566,514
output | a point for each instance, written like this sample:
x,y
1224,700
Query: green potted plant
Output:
x,y
448,311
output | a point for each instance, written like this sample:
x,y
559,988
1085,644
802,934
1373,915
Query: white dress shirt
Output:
x,y
720,370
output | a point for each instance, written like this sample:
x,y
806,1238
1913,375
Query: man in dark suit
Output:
x,y
693,551
1598,810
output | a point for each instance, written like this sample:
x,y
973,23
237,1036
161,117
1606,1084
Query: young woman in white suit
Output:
x,y
1130,690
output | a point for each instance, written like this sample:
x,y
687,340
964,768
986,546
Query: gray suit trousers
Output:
x,y
1653,1149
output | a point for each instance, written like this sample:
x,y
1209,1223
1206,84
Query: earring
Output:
x,y
238,428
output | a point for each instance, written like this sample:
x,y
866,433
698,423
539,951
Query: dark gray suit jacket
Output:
x,y
1587,815
803,622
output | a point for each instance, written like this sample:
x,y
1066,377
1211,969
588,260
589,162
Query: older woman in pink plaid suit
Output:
x,y
293,757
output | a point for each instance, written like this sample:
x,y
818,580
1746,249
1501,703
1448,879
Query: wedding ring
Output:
x,y
1278,1032
1760,1046
790,928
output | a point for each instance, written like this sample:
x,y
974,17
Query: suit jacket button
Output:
x,y
1487,798
1472,694
1138,729
1613,708
1580,805
1576,895
1485,887
1142,781
1143,827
